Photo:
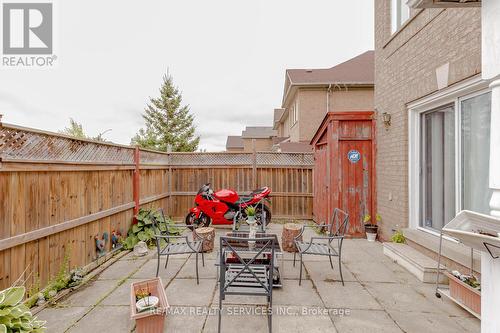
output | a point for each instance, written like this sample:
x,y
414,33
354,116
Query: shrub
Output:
x,y
398,237
14,315
144,230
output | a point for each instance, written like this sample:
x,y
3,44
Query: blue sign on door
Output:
x,y
354,156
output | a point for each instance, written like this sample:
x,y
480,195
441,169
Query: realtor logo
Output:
x,y
27,28
28,35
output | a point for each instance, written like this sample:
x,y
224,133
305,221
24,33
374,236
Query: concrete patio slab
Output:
x,y
121,295
187,292
121,269
182,323
426,322
322,271
366,321
352,296
188,271
105,319
91,293
379,296
304,295
148,270
401,297
59,319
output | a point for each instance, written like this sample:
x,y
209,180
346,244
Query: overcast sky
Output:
x,y
227,57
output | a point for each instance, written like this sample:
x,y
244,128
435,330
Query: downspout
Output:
x,y
328,98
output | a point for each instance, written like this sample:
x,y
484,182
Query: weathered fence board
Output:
x,y
58,193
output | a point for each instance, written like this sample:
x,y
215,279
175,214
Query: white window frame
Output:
x,y
395,15
451,95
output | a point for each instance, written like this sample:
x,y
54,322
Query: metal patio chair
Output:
x,y
322,245
176,244
246,269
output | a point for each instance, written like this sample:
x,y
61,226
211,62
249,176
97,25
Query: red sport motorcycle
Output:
x,y
226,206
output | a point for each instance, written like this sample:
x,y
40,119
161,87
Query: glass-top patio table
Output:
x,y
248,251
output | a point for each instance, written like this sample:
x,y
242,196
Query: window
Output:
x,y
475,127
400,13
449,159
294,113
437,184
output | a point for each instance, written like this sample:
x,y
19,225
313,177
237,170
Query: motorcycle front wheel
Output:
x,y
194,223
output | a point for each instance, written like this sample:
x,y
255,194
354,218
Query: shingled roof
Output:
x,y
358,70
234,141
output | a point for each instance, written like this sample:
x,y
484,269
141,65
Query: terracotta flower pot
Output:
x,y
149,321
465,294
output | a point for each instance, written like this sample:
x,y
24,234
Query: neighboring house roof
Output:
x,y
234,142
294,147
278,139
258,132
359,70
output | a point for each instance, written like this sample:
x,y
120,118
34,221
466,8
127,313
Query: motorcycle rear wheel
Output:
x,y
194,223
258,213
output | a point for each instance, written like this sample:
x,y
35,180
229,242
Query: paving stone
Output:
x,y
121,295
108,319
187,292
189,269
471,324
443,303
181,323
365,321
401,297
351,296
231,324
322,271
90,294
148,270
304,295
59,319
371,271
121,269
426,322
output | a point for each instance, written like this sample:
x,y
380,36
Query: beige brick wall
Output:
x,y
260,145
352,99
405,71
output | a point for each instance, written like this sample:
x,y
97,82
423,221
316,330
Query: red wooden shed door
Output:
x,y
321,185
355,159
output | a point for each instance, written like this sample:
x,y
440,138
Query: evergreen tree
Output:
x,y
167,122
76,129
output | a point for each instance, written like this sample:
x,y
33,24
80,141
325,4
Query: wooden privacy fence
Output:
x,y
58,193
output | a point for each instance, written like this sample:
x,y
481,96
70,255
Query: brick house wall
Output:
x,y
312,108
405,70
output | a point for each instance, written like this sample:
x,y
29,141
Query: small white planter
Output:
x,y
371,237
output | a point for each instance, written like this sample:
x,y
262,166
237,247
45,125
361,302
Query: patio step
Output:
x,y
420,265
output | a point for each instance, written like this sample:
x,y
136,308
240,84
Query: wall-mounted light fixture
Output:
x,y
386,118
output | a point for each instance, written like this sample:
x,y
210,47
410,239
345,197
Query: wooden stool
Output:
x,y
207,235
290,231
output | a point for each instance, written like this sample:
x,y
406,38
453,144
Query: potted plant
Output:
x,y
466,290
148,305
250,211
371,229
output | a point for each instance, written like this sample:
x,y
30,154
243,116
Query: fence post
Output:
x,y
136,182
254,165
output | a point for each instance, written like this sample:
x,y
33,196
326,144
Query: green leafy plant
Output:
x,y
367,218
250,211
15,316
398,237
144,229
